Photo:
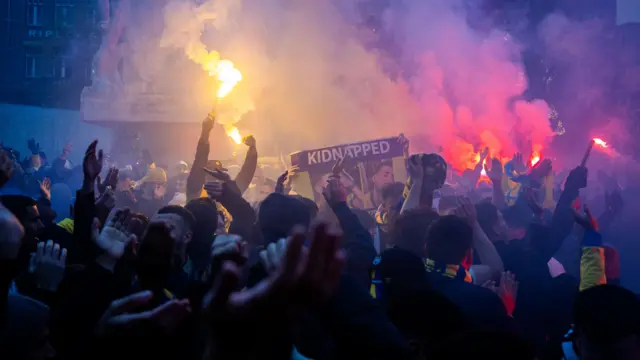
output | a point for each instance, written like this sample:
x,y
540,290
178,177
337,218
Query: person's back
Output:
x,y
449,243
481,306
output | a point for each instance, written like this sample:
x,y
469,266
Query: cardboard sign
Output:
x,y
370,166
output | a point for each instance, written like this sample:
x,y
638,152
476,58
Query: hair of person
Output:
x,y
605,314
393,191
382,164
185,214
410,229
279,213
449,240
205,214
311,205
17,204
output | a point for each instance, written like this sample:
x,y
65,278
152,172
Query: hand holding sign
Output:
x,y
338,167
334,192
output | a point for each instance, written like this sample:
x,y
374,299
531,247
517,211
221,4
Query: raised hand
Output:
x,y
496,172
214,189
116,234
280,184
586,221
121,315
466,210
48,265
272,256
542,168
303,280
334,192
92,162
45,188
404,142
484,153
229,247
110,181
207,123
338,167
7,166
33,146
577,178
249,140
218,174
415,169
518,163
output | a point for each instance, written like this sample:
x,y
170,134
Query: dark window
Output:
x,y
65,14
37,64
35,13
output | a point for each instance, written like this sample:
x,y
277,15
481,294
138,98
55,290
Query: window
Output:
x,y
65,15
63,70
35,14
30,66
37,64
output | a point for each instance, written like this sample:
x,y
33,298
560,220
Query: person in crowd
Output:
x,y
151,193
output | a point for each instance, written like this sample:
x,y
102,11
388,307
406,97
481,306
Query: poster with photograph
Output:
x,y
370,166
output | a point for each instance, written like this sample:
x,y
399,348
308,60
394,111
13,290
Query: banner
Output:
x,y
370,166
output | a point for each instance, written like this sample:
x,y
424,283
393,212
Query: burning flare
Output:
x,y
226,73
228,76
535,158
600,142
234,134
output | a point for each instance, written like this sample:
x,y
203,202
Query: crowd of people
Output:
x,y
101,262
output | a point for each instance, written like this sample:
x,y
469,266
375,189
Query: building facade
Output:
x,y
47,49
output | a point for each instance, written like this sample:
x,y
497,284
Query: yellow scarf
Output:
x,y
448,270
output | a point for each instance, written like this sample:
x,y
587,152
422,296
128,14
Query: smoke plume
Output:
x,y
319,73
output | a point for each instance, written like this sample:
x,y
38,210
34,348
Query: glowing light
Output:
x,y
600,142
234,134
535,156
226,73
535,160
483,172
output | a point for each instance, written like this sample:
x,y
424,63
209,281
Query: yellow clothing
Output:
x,y
67,224
592,270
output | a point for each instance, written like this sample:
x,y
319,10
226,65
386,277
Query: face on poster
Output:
x,y
369,167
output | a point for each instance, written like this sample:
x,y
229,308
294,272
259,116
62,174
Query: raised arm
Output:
x,y
491,261
196,177
244,177
416,172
